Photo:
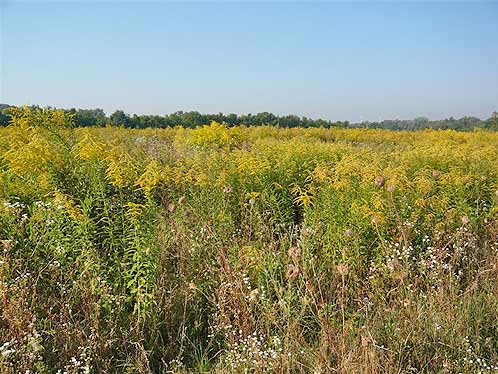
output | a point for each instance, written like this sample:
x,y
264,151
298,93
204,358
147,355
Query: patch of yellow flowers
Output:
x,y
435,171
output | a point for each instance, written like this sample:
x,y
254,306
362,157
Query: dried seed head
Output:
x,y
348,233
227,189
252,201
375,220
391,188
254,294
7,245
294,253
380,181
400,276
342,269
171,207
292,272
465,220
436,174
181,200
364,341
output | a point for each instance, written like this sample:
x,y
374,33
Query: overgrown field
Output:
x,y
246,250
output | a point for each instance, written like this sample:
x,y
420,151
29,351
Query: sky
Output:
x,y
335,60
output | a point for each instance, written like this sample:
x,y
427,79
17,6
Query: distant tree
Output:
x,y
232,119
492,122
4,115
90,117
120,118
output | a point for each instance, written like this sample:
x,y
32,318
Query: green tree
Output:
x,y
120,118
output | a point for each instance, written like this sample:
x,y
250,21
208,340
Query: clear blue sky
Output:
x,y
335,60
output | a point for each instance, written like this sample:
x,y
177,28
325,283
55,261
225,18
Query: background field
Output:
x,y
246,250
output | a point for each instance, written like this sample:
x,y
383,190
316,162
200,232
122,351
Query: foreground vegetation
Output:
x,y
246,250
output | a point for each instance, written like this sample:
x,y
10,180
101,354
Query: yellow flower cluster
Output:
x,y
439,173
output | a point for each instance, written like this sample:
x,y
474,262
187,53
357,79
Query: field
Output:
x,y
246,250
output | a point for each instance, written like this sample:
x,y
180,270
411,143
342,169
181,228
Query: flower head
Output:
x,y
7,245
380,181
294,253
342,269
293,271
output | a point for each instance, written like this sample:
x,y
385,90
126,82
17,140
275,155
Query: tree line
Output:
x,y
458,124
97,117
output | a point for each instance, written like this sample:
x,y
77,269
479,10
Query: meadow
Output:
x,y
246,250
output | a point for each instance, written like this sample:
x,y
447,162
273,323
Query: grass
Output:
x,y
246,250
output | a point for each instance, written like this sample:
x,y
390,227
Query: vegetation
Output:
x,y
98,118
461,124
246,250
